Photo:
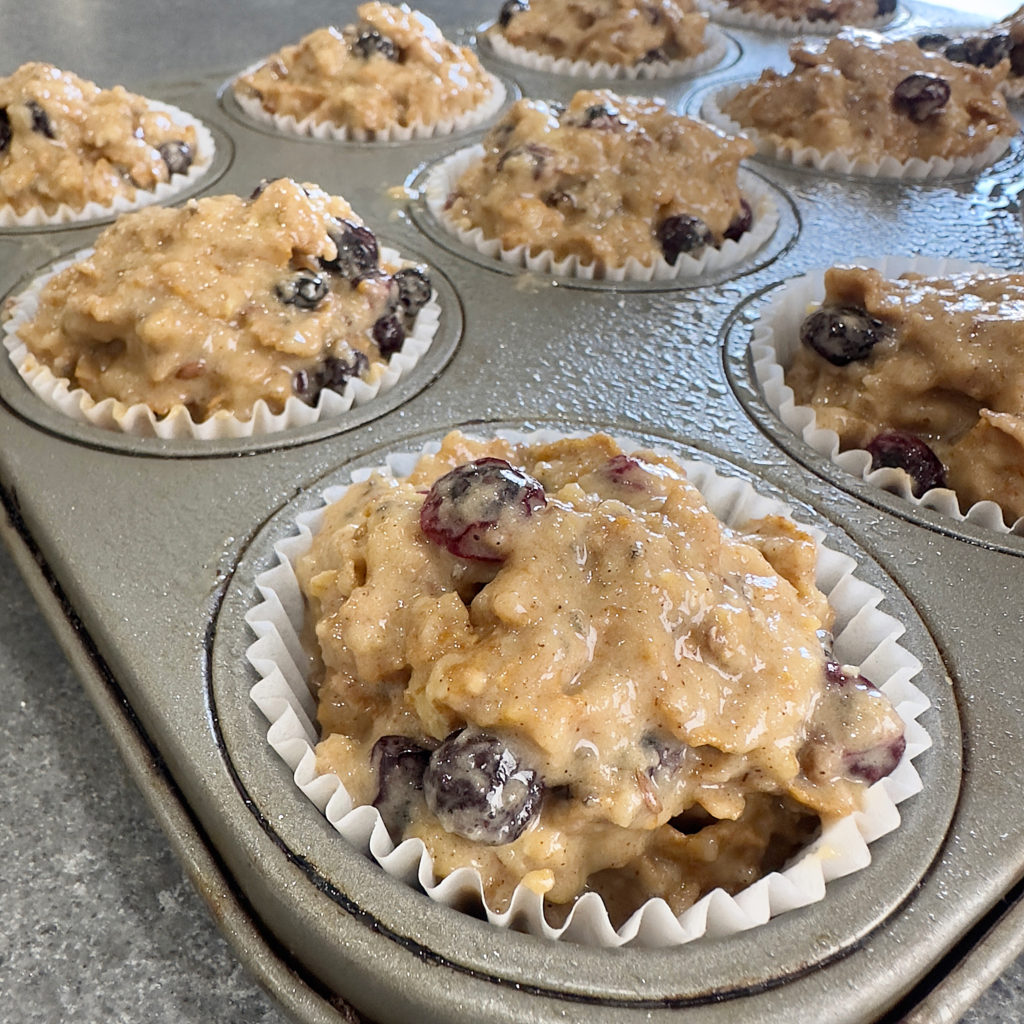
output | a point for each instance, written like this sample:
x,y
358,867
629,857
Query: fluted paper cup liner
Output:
x,y
164,192
839,162
773,346
140,420
715,45
764,21
864,636
441,180
312,128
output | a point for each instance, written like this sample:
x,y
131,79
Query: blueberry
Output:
x,y
370,42
532,157
655,56
682,233
932,41
625,471
905,451
389,334
414,290
994,49
509,9
474,511
177,155
5,129
40,120
357,251
666,756
841,334
332,374
305,290
959,52
876,762
600,116
740,224
921,96
884,7
1017,59
479,789
399,763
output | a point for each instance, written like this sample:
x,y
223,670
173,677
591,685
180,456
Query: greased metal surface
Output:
x,y
649,362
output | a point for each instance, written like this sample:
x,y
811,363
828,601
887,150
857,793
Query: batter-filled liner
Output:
x,y
864,636
764,21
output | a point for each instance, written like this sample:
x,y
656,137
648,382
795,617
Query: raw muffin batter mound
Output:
x,y
226,301
938,361
552,663
391,68
64,140
842,12
605,179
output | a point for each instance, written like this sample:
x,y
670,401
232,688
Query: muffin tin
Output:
x,y
161,648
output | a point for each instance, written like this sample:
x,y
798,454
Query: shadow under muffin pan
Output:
x,y
664,365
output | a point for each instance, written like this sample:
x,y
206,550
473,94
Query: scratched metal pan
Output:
x,y
160,648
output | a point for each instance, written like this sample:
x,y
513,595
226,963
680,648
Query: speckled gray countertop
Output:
x,y
99,923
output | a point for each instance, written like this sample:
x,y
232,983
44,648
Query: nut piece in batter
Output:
x,y
926,374
616,32
866,96
824,12
66,141
552,663
391,68
605,179
227,301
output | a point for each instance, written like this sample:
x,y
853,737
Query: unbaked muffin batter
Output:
x,y
225,301
64,140
604,179
391,68
941,359
616,32
842,12
553,663
871,97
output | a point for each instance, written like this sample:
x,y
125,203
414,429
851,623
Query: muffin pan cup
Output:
x,y
319,923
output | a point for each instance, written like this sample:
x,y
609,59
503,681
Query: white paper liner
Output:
x,y
716,44
310,127
442,177
139,420
864,636
765,22
773,347
164,192
838,162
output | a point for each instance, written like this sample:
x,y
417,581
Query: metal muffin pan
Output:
x,y
321,925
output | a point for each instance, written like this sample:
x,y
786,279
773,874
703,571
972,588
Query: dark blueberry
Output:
x,y
905,451
399,763
740,224
666,756
478,789
601,116
884,7
389,334
626,471
876,762
357,251
259,189
305,290
559,199
959,52
682,233
40,120
332,374
414,290
531,156
1017,59
509,9
820,14
475,510
932,41
655,56
370,42
841,334
5,129
921,96
994,49
177,155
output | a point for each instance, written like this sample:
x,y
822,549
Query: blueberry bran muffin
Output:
x,y
391,68
623,33
64,141
870,97
605,179
924,373
819,12
553,664
225,302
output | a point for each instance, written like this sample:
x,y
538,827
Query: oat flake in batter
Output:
x,y
65,141
226,301
553,664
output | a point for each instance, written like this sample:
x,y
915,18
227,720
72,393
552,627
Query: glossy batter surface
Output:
x,y
844,12
658,680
